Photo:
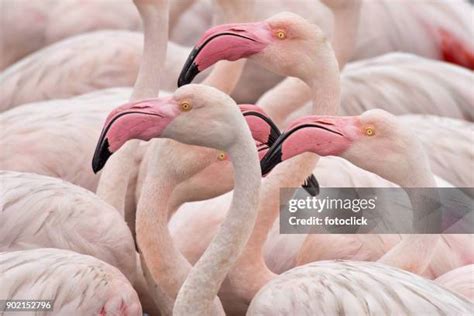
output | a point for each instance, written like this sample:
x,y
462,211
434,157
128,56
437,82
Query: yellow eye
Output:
x,y
221,156
280,34
369,131
186,106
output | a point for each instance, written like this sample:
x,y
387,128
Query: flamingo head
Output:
x,y
374,141
195,115
285,44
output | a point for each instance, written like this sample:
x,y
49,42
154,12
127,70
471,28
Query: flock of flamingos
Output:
x,y
178,213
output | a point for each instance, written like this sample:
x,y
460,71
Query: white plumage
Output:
x,y
78,284
347,288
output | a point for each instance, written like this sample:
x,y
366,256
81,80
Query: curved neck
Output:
x,y
324,82
166,264
251,264
113,182
323,78
207,275
292,93
415,251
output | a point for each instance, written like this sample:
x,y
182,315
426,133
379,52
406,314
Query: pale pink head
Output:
x,y
374,141
194,114
285,44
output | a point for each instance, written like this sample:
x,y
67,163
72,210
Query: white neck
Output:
x,y
346,25
166,264
290,94
155,39
114,179
414,252
201,286
251,273
324,82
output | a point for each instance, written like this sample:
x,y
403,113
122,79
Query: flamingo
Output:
x,y
182,118
397,140
118,169
291,93
355,138
44,212
251,273
347,287
445,140
81,284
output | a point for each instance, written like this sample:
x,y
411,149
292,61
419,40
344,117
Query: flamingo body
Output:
x,y
78,284
354,288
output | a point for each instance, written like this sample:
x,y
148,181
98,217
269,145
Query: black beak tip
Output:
x,y
190,69
188,74
311,185
101,155
274,134
271,159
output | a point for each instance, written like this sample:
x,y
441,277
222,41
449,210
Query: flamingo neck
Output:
x,y
251,272
167,266
323,78
114,180
346,24
325,88
201,286
155,36
225,75
414,252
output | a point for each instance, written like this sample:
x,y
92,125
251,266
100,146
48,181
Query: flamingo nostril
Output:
x,y
324,122
237,30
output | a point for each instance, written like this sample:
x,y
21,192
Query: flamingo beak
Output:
x,y
300,139
225,42
311,185
142,120
263,129
273,155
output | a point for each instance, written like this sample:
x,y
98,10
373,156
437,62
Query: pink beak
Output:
x,y
322,135
261,125
140,120
225,42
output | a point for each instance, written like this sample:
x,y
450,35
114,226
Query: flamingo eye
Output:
x,y
280,34
222,156
186,106
369,131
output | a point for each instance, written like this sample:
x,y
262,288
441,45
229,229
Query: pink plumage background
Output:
x,y
331,94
